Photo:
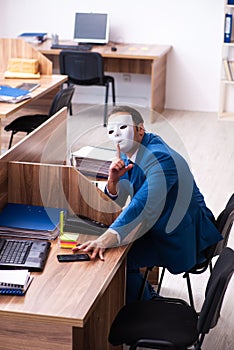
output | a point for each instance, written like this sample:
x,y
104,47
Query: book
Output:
x,y
33,36
228,28
231,68
13,95
22,220
93,161
227,69
14,282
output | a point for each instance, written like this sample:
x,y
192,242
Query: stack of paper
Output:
x,y
14,282
94,161
13,95
22,68
21,220
68,239
23,65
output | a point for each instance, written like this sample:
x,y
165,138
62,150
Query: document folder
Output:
x,y
13,95
24,220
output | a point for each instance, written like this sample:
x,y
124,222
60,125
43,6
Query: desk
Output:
x,y
10,48
48,83
129,58
66,306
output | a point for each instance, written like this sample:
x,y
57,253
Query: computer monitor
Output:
x,y
91,28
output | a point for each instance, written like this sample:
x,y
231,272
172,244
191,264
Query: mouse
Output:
x,y
113,48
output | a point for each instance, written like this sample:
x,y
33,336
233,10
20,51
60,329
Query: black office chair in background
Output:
x,y
224,224
169,323
86,68
28,123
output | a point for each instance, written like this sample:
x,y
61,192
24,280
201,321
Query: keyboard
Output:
x,y
15,252
85,47
82,224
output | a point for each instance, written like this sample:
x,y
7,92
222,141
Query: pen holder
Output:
x,y
55,39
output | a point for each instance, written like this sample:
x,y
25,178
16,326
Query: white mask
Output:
x,y
120,130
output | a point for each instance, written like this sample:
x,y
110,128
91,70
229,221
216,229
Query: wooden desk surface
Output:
x,y
69,306
131,51
65,293
47,84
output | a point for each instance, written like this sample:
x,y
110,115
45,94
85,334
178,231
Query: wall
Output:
x,y
193,27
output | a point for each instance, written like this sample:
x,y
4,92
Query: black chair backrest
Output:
x,y
224,224
61,99
215,291
82,68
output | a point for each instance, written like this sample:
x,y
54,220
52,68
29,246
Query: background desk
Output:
x,y
129,58
41,97
48,83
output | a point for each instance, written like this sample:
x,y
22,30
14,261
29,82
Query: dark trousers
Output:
x,y
140,255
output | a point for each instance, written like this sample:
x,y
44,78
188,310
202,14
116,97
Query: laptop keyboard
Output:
x,y
15,252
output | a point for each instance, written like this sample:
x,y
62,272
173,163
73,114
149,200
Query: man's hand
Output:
x,y
93,247
117,169
99,245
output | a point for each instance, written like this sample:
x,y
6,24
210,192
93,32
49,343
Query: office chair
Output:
x,y
28,123
86,68
224,224
169,323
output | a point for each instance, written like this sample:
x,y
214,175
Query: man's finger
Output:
x,y
75,249
81,246
101,254
94,253
118,151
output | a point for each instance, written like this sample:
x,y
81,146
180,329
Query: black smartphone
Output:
x,y
72,257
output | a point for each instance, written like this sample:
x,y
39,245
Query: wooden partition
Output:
x,y
34,171
30,149
18,48
59,186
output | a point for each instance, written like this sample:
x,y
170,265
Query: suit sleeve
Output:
x,y
148,202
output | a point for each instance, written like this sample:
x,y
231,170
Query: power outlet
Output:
x,y
127,77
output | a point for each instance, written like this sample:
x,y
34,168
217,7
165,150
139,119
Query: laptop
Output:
x,y
23,254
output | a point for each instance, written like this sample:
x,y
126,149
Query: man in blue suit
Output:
x,y
166,220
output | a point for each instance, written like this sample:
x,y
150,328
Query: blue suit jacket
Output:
x,y
168,205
